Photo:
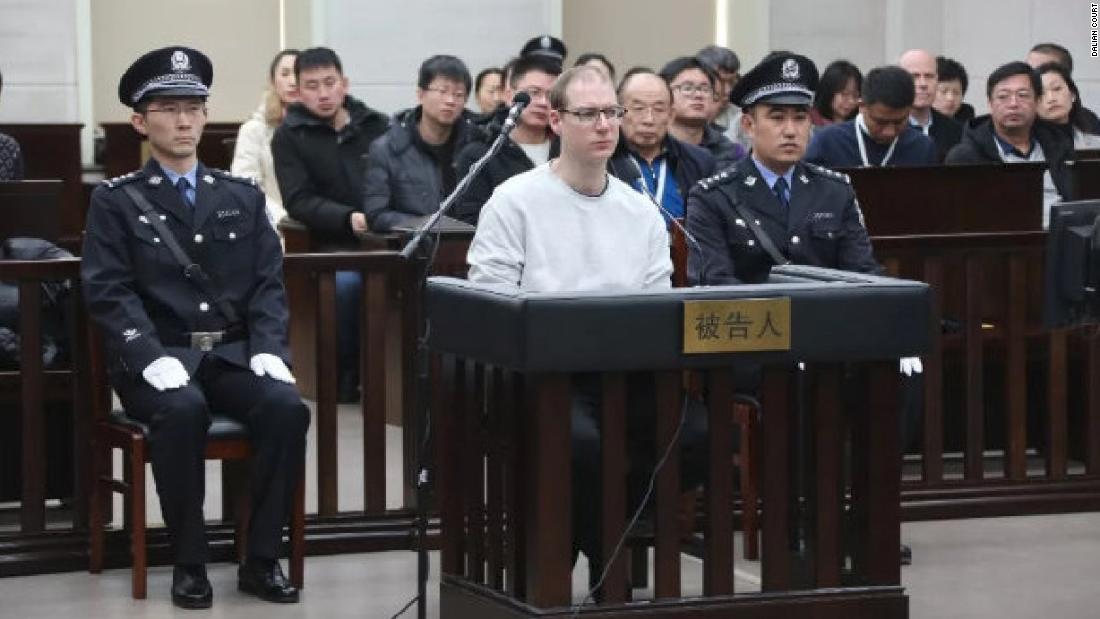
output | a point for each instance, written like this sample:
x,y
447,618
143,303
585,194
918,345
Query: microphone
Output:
x,y
519,101
676,222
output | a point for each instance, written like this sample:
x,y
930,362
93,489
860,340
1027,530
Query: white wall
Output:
x,y
383,43
38,58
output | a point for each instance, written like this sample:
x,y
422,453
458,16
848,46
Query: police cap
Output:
x,y
170,71
779,79
545,46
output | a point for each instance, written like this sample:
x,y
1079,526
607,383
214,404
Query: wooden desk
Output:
x,y
950,199
52,151
30,208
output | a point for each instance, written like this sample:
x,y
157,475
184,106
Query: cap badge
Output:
x,y
790,69
180,61
544,42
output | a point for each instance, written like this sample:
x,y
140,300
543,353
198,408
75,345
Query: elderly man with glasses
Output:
x,y
410,169
694,88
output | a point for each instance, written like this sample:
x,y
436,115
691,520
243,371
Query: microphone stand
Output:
x,y
423,364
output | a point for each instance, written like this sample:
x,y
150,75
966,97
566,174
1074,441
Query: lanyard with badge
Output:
x,y
860,127
658,195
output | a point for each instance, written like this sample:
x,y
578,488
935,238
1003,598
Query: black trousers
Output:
x,y
178,419
642,453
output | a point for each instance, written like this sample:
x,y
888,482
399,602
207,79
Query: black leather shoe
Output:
x,y
906,555
264,579
190,587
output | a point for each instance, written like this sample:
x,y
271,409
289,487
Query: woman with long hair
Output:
x,y
1060,104
252,153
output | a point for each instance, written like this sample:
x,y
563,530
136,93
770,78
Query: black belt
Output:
x,y
203,340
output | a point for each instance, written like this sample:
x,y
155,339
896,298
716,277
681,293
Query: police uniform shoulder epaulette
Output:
x,y
724,176
823,172
245,180
119,181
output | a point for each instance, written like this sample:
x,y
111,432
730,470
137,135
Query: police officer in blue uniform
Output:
x,y
808,214
211,336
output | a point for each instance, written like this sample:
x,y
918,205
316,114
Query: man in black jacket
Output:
x,y
411,167
320,154
529,144
944,131
1011,133
694,85
647,154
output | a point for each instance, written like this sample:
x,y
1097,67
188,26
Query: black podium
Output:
x,y
501,398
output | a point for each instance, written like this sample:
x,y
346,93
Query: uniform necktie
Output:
x,y
780,189
182,186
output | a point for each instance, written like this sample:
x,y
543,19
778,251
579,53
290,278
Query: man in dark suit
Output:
x,y
810,214
181,345
944,131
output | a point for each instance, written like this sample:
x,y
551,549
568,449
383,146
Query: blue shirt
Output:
x,y
670,200
770,177
191,176
835,146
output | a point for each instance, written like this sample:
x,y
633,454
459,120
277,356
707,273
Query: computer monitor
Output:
x,y
1072,286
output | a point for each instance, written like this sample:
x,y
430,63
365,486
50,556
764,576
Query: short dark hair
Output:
x,y
833,80
317,58
274,66
719,58
891,86
586,57
558,100
676,66
1054,49
1077,115
525,64
1005,71
443,65
640,71
484,73
950,69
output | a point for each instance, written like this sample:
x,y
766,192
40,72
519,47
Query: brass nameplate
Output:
x,y
737,326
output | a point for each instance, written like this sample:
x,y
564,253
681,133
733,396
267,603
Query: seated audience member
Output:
x,y
1043,53
597,61
943,130
528,146
647,154
693,86
950,90
1011,133
410,169
320,154
487,89
11,157
727,66
771,185
566,226
837,96
252,152
1060,105
880,134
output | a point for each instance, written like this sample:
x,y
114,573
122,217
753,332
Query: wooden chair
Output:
x,y
227,440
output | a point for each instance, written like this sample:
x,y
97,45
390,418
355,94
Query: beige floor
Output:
x,y
1037,567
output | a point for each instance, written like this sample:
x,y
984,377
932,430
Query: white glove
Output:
x,y
165,373
910,366
267,363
